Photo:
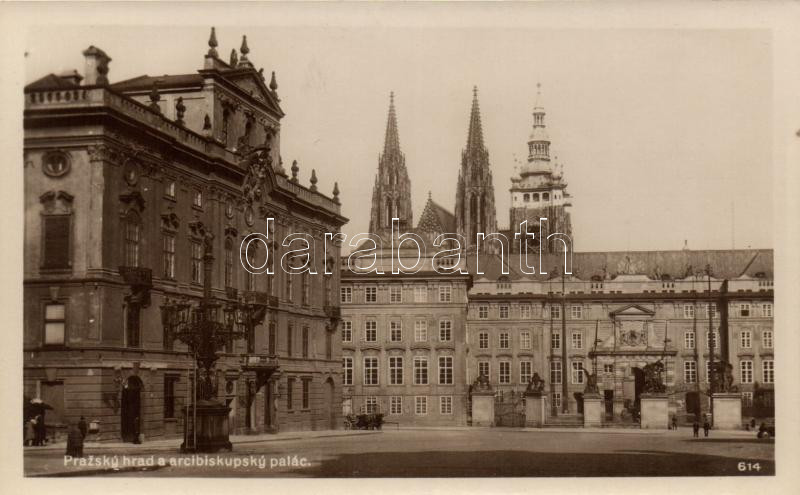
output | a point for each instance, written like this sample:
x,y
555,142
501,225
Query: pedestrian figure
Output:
x,y
136,426
30,434
706,427
753,424
674,422
696,428
83,427
75,442
41,431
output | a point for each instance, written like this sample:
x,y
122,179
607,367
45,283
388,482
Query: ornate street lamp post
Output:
x,y
206,328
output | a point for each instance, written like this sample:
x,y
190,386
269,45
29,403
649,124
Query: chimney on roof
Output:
x,y
71,76
96,66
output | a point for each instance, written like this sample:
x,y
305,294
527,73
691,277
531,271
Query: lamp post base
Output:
x,y
212,428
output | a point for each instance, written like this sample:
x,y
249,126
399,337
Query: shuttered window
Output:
x,y
56,242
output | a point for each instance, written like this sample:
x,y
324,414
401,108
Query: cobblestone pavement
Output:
x,y
437,452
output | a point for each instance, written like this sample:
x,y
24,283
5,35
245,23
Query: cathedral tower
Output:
x,y
540,191
475,210
391,194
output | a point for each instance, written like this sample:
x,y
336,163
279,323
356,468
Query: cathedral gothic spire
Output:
x,y
475,210
391,194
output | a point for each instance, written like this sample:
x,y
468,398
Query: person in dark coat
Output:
x,y
706,426
674,422
75,442
41,430
696,428
83,427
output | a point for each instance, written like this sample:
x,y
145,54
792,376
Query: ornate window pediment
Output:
x,y
170,221
132,199
57,202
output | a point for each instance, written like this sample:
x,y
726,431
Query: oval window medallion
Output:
x,y
55,163
248,216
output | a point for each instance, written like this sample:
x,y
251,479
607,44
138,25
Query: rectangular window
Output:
x,y
197,199
766,339
273,338
169,256
289,339
577,312
525,340
688,311
395,331
525,372
747,399
420,370
54,324
556,399
395,404
445,330
289,287
346,294
347,331
712,338
305,342
483,340
289,393
690,372
577,372
56,241
371,405
446,404
197,262
504,340
504,372
483,368
746,371
688,340
395,370
306,387
744,339
371,294
420,294
711,310
306,281
577,340
555,340
371,331
504,311
708,371
555,312
445,293
555,372
483,312
768,371
228,263
608,368
421,331
525,311
347,371
766,310
169,396
445,370
396,293
132,231
370,371
132,325
420,405
744,310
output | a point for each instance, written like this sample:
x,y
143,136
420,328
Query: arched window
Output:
x,y
388,212
226,117
536,197
252,252
526,197
133,227
545,196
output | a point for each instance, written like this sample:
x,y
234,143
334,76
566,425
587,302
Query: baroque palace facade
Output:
x,y
613,314
125,186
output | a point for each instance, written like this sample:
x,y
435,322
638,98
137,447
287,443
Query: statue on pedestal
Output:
x,y
722,383
535,385
591,384
482,384
653,378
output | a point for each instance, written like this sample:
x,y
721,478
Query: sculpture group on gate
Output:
x,y
481,384
535,385
654,378
722,378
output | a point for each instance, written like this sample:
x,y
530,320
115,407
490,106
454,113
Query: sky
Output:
x,y
665,135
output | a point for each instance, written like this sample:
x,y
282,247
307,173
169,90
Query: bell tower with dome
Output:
x,y
539,191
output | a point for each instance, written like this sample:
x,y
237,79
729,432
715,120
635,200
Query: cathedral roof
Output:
x,y
435,218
